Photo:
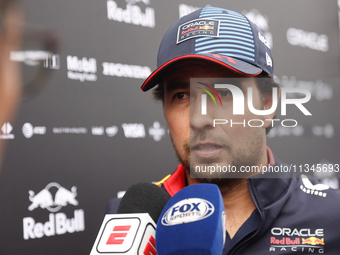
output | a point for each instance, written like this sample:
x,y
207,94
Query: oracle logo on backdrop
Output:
x,y
305,39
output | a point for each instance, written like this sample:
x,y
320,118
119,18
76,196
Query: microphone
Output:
x,y
192,222
132,229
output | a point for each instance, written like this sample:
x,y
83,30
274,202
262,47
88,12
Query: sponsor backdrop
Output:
x,y
91,132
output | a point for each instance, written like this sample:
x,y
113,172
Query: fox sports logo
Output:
x,y
188,210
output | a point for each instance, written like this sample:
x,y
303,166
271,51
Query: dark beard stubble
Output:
x,y
229,183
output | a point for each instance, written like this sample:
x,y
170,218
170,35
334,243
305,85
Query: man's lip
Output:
x,y
206,150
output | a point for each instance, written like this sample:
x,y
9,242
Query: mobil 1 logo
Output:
x,y
53,198
82,69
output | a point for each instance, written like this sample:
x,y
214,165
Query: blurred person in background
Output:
x,y
10,79
25,51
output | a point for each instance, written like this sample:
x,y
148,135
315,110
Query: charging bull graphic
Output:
x,y
44,198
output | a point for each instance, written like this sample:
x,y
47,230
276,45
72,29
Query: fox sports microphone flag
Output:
x,y
132,230
192,222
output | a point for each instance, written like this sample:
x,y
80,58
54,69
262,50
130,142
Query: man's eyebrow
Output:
x,y
171,86
238,82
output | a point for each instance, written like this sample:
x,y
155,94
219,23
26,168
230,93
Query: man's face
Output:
x,y
9,70
196,141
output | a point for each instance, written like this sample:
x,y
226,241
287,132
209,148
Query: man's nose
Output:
x,y
200,115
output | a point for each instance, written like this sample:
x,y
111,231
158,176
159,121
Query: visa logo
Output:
x,y
134,130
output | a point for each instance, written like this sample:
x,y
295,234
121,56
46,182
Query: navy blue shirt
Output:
x,y
248,228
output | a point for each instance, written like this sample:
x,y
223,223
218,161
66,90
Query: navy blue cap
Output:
x,y
218,35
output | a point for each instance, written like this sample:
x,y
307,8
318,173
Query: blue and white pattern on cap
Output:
x,y
235,35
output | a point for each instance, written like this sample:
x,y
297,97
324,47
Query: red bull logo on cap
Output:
x,y
207,27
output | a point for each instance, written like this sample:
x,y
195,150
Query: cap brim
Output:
x,y
233,64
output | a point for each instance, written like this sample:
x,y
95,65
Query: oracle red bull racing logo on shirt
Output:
x,y
297,240
53,197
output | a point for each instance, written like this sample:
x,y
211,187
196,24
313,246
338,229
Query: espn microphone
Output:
x,y
132,230
192,222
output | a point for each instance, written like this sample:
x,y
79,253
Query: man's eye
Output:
x,y
181,95
224,93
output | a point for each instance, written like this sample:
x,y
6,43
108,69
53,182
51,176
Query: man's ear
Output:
x,y
268,101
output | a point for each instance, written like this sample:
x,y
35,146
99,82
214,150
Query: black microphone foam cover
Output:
x,y
144,198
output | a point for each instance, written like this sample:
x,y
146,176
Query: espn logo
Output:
x,y
126,235
118,234
150,248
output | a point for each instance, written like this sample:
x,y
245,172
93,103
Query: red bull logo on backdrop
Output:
x,y
53,197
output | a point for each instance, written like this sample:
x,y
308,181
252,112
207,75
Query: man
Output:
x,y
263,215
10,80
